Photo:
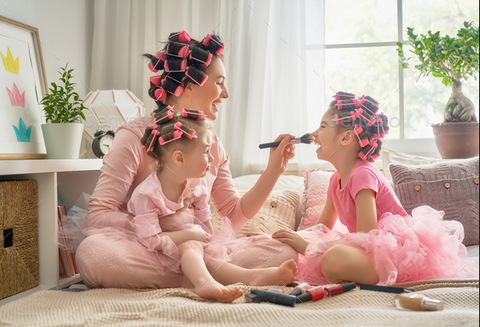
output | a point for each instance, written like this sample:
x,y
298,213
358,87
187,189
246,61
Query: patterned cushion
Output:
x,y
278,212
448,186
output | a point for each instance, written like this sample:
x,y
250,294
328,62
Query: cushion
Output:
x,y
390,156
314,198
450,186
285,182
278,212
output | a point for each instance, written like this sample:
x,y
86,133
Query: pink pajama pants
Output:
x,y
108,261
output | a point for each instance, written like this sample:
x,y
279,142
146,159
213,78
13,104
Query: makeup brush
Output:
x,y
306,139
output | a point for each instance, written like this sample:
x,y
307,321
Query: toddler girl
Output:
x,y
180,146
384,245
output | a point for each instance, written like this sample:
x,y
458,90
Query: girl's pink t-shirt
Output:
x,y
362,176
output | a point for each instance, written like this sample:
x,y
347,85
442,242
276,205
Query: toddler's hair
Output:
x,y
172,131
360,115
183,60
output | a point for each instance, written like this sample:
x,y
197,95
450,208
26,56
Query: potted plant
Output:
x,y
452,59
63,108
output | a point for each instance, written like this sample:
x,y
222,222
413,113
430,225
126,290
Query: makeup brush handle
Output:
x,y
269,145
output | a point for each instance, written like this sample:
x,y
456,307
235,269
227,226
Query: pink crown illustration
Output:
x,y
15,98
11,65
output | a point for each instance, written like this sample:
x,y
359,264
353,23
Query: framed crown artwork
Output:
x,y
22,86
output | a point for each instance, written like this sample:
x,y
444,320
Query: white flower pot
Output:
x,y
62,140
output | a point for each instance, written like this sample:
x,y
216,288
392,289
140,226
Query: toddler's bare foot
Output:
x,y
216,291
282,275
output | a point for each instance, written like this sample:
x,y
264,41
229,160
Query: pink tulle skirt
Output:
x,y
403,249
222,245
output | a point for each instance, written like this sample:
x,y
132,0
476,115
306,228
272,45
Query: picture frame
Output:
x,y
23,84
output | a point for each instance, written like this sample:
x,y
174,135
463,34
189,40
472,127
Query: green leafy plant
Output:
x,y
451,59
63,105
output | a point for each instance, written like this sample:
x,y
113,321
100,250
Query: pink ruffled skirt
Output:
x,y
224,245
403,249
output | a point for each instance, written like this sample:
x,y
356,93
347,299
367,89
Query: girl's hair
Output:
x,y
171,131
183,60
360,115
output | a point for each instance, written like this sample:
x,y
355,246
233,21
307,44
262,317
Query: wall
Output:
x,y
66,33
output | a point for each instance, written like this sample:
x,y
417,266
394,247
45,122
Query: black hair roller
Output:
x,y
203,56
175,65
178,49
213,43
196,75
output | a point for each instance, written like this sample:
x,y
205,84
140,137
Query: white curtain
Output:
x,y
265,58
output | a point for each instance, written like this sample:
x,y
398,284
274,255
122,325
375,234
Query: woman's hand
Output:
x,y
199,235
281,155
291,238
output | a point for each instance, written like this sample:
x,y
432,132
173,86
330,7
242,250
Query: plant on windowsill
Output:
x,y
452,59
63,110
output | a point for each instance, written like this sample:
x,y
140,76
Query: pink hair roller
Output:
x,y
156,80
212,42
181,36
178,49
172,66
374,156
169,115
160,94
339,104
191,135
357,130
155,133
337,95
175,136
196,75
200,114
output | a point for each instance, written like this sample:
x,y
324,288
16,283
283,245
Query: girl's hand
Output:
x,y
188,207
291,238
280,155
199,235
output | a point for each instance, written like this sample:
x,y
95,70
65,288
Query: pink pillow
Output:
x,y
314,198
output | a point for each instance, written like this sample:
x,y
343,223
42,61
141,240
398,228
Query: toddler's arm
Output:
x,y
366,210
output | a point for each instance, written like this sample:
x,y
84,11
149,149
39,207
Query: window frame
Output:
x,y
419,146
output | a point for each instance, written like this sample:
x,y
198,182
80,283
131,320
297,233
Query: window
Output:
x,y
354,44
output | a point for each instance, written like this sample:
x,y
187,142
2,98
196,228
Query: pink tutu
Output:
x,y
222,246
404,249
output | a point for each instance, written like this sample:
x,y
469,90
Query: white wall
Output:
x,y
66,33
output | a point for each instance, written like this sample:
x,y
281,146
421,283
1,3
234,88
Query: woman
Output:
x,y
107,261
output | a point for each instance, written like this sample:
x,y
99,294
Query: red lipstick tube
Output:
x,y
318,293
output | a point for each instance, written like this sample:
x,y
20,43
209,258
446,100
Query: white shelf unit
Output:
x,y
70,177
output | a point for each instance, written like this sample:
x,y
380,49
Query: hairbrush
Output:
x,y
306,139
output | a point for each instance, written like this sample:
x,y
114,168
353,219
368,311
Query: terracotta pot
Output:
x,y
456,140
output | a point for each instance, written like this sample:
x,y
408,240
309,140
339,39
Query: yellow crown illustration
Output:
x,y
11,65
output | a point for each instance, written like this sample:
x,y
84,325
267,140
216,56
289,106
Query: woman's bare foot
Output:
x,y
282,275
216,291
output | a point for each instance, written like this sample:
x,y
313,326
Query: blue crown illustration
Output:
x,y
23,133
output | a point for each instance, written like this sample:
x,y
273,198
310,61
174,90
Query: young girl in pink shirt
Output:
x,y
180,147
384,245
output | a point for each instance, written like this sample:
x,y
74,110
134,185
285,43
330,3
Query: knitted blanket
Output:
x,y
181,307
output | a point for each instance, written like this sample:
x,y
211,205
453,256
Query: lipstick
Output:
x,y
257,296
318,293
300,289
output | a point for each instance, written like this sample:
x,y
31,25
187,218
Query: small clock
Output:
x,y
102,143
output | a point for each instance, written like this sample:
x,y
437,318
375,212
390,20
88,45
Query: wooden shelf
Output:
x,y
68,178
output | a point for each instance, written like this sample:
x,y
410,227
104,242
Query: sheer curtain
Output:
x,y
265,59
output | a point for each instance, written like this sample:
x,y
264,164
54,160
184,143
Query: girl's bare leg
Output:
x,y
193,266
346,263
227,273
